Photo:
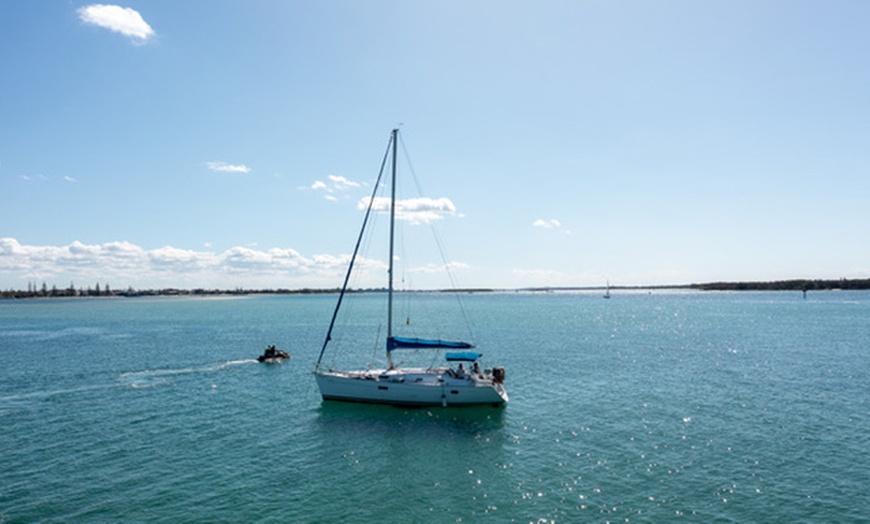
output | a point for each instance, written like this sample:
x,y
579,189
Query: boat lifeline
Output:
x,y
441,385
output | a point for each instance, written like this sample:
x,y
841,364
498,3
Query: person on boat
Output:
x,y
476,369
460,373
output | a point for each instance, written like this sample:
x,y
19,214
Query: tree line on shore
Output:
x,y
35,291
787,285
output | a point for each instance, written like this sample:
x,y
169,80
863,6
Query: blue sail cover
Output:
x,y
464,356
420,343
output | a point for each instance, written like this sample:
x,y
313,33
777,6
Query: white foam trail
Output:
x,y
237,362
153,377
23,400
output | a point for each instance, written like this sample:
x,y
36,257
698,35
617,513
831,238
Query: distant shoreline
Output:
x,y
778,285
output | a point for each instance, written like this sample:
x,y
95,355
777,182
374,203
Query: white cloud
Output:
x,y
223,167
336,184
547,224
550,224
119,19
39,178
414,210
45,179
340,183
168,258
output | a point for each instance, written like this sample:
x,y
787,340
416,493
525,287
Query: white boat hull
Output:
x,y
409,387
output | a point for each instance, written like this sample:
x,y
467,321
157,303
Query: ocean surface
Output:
x,y
648,407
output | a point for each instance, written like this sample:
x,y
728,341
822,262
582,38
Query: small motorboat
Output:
x,y
272,355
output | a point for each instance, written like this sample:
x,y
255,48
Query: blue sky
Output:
x,y
228,144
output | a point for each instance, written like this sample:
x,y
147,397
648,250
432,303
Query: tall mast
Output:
x,y
395,139
355,253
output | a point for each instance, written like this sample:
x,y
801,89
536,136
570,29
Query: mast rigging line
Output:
x,y
393,135
441,251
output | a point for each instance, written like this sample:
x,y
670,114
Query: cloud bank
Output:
x,y
123,265
118,19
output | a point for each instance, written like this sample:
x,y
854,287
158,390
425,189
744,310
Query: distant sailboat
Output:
x,y
607,290
430,386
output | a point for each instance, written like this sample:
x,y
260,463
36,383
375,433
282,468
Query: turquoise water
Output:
x,y
691,407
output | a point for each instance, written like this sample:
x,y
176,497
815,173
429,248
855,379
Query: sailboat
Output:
x,y
436,385
607,291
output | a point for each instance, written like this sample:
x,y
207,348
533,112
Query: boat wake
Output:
x,y
155,377
24,400
12,402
